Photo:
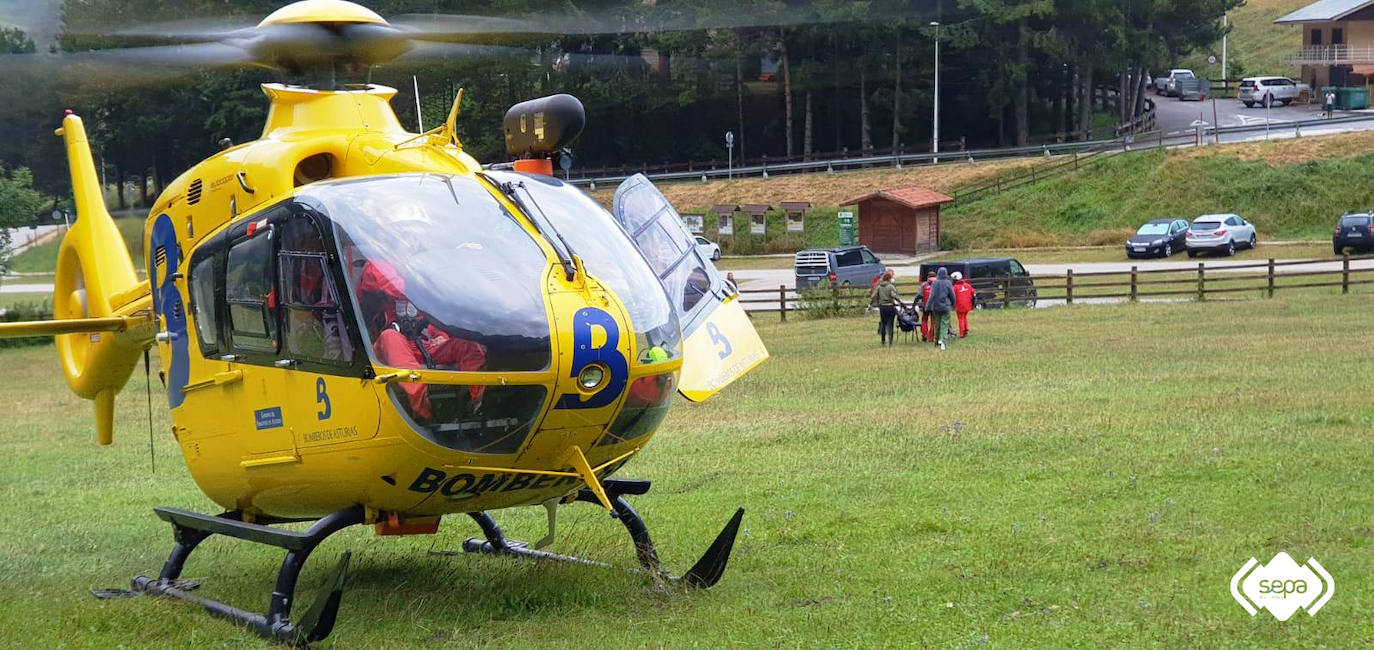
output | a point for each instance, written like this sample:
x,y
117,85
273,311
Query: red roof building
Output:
x,y
903,220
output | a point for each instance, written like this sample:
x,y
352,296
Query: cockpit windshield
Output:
x,y
609,255
441,275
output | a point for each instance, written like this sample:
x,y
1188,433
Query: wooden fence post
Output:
x,y
1201,283
1006,292
1068,287
1134,295
1271,277
1345,273
835,296
782,301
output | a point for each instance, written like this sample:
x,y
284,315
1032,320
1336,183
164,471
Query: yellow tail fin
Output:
x,y
96,280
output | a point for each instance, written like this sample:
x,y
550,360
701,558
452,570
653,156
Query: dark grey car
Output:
x,y
849,266
1354,231
1160,237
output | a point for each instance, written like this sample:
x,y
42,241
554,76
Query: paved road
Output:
x,y
22,238
1172,115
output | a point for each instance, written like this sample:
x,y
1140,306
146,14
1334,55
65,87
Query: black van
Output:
x,y
988,275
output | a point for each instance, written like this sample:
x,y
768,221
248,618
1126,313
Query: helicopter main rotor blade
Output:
x,y
454,27
123,67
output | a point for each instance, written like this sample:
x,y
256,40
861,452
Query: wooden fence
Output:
x,y
1177,283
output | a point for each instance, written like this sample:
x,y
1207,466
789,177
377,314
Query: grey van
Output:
x,y
993,278
848,266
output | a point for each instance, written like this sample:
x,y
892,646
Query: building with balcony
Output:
x,y
1337,42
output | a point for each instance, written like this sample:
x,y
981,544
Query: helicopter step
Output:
x,y
189,529
704,574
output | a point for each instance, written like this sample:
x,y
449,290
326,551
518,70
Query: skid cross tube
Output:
x,y
189,529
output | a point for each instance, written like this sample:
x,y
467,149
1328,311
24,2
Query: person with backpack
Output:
x,y
939,304
964,295
885,298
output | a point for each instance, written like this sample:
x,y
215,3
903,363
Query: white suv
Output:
x,y
1219,233
1267,90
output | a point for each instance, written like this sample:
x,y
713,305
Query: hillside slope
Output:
x,y
1256,43
823,188
1290,189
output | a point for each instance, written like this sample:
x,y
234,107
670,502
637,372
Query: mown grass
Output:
x,y
1085,476
1116,195
43,258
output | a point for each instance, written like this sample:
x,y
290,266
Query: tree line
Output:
x,y
790,78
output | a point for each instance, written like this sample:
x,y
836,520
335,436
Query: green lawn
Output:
x,y
1085,477
44,257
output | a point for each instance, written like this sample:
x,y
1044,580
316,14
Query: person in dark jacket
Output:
x,y
939,304
885,298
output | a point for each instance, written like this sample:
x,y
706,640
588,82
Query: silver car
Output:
x,y
1267,90
1221,233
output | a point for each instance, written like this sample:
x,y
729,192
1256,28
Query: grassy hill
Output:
x,y
1290,189
1255,43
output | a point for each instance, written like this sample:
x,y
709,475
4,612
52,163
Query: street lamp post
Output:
x,y
935,120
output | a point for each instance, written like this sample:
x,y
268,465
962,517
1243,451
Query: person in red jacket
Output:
x,y
963,301
927,335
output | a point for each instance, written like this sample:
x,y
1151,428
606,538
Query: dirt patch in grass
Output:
x,y
821,188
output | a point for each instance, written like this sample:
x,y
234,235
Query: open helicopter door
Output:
x,y
720,344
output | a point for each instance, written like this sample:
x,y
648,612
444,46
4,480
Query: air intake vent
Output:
x,y
193,193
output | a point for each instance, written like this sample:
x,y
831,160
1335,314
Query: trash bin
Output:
x,y
1355,98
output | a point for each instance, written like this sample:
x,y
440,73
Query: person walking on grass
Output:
x,y
939,304
926,336
963,301
885,298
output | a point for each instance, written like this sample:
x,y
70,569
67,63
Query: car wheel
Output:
x,y
1192,253
715,256
1249,104
1252,243
1230,248
1168,250
1286,102
845,284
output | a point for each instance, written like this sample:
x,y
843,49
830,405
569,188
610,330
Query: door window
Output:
x,y
249,293
1016,268
1337,36
203,310
1316,37
869,258
313,327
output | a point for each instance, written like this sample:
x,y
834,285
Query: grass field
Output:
x,y
1085,477
43,258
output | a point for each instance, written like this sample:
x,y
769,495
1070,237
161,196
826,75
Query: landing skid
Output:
x,y
191,528
705,573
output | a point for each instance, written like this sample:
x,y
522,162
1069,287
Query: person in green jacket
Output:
x,y
885,298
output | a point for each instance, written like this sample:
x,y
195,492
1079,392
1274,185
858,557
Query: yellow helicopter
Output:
x,y
363,325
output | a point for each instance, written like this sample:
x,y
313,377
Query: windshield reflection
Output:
x,y
442,276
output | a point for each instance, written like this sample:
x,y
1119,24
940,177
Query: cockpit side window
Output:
x,y
250,294
313,325
204,311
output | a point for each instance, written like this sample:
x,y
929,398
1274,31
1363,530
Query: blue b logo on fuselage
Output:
x,y
585,352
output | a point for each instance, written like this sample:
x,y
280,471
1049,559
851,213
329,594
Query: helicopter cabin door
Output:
x,y
284,328
719,343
